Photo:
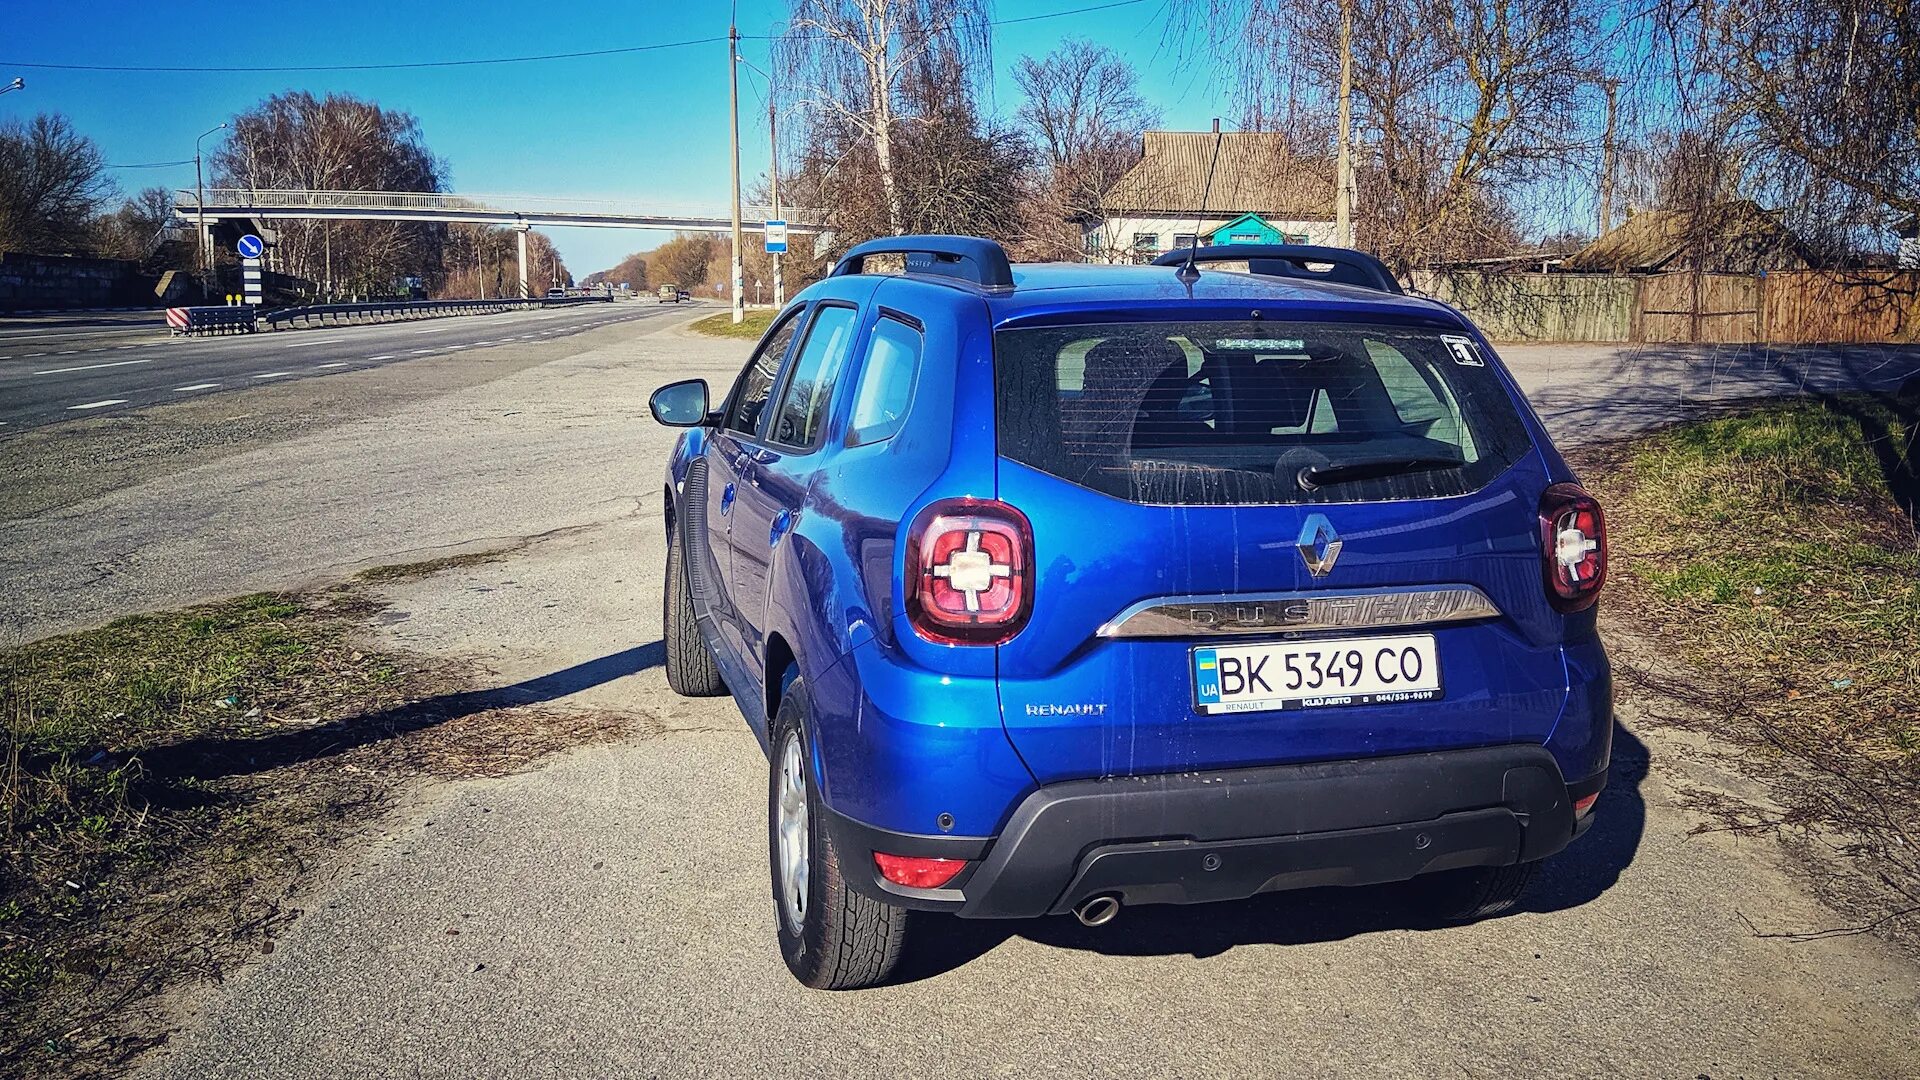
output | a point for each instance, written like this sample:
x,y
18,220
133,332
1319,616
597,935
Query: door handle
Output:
x,y
726,499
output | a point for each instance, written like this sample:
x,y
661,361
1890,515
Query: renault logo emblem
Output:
x,y
1319,545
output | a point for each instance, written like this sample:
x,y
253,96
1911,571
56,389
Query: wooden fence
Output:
x,y
1798,306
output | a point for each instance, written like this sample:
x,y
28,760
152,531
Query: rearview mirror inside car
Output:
x,y
681,404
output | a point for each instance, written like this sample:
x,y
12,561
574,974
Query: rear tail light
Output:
x,y
1584,805
969,572
915,872
1573,547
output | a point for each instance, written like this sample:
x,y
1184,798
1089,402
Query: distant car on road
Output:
x,y
671,294
682,296
556,294
1053,589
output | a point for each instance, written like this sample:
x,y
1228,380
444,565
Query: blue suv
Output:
x,y
1053,589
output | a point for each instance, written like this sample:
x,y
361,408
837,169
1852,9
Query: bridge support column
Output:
x,y
520,233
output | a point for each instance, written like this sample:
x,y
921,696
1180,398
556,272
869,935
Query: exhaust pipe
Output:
x,y
1098,910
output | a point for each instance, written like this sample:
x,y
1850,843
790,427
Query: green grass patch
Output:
x,y
749,329
1773,546
90,825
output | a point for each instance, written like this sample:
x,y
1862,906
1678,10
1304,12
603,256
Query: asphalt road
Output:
x,y
613,904
54,368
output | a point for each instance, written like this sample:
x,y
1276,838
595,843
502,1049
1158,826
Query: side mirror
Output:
x,y
680,404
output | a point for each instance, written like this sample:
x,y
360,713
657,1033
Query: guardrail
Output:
x,y
232,319
408,310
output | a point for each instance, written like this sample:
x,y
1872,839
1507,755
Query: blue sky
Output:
x,y
637,126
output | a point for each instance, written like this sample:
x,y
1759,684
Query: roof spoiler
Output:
x,y
1345,265
967,258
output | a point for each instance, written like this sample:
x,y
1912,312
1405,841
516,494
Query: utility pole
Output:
x,y
733,115
200,207
773,173
1343,182
1606,161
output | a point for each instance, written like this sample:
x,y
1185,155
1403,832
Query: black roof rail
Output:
x,y
968,258
1346,266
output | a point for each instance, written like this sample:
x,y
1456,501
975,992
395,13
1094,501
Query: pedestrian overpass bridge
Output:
x,y
216,207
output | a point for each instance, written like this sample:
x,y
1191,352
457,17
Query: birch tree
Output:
x,y
845,61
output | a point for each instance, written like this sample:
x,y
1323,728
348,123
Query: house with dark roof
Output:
x,y
1263,192
1732,237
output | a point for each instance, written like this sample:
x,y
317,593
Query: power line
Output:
x,y
153,164
487,61
372,67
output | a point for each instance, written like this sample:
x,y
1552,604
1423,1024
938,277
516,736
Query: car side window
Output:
x,y
756,382
886,383
803,404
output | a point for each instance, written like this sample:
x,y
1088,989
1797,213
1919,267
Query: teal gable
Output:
x,y
1246,229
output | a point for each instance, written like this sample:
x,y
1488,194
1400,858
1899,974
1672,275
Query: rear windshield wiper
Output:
x,y
1319,476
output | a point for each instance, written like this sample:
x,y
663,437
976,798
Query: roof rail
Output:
x,y
968,258
1346,266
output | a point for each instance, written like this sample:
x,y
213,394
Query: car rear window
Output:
x,y
1240,413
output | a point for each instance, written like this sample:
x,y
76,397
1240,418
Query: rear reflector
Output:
x,y
1584,805
917,873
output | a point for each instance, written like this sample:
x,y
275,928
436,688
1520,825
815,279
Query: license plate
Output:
x,y
1262,676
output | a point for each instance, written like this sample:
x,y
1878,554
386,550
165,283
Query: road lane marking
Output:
x,y
450,347
304,344
119,347
434,330
272,374
417,352
31,355
90,367
99,404
382,356
195,386
335,364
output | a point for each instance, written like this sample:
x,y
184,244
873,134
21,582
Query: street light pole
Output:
x,y
17,84
200,207
733,115
1343,180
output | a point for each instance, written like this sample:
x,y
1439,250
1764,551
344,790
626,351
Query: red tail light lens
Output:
x,y
969,572
1573,547
917,873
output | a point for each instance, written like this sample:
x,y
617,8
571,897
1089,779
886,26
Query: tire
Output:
x,y
834,938
1480,892
691,671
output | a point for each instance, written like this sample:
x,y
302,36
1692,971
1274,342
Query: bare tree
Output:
x,y
136,230
52,182
1465,110
1083,111
295,140
847,60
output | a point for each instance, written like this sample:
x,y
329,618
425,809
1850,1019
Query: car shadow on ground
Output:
x,y
1577,876
213,758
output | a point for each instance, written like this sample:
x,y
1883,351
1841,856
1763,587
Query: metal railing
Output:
x,y
193,321
310,315
229,199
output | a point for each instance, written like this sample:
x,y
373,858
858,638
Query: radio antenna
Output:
x,y
1188,273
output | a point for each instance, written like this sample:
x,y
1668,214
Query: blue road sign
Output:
x,y
777,237
250,247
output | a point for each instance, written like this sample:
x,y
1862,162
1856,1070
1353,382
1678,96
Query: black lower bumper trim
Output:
x,y
1193,837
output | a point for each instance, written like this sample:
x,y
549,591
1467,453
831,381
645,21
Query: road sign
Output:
x,y
250,247
777,237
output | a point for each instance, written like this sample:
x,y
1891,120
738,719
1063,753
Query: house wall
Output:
x,y
1112,240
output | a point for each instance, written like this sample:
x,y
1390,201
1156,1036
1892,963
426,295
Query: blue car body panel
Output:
x,y
801,556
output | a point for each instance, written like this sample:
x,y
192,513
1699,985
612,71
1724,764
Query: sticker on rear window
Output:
x,y
1463,350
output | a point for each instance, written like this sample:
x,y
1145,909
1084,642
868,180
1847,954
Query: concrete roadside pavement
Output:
x,y
612,905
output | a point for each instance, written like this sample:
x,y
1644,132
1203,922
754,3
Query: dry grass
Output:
x,y
168,782
1770,563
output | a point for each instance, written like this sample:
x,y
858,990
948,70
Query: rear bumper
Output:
x,y
1199,837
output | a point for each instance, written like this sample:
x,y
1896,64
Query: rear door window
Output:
x,y
803,404
1252,413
